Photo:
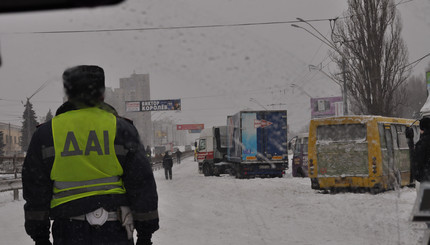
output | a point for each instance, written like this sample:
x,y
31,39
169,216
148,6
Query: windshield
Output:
x,y
258,70
344,132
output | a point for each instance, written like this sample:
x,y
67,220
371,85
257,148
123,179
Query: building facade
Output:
x,y
11,138
134,88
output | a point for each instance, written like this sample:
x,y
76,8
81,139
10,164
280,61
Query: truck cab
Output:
x,y
211,149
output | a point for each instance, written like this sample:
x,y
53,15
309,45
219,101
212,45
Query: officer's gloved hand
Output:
x,y
43,242
144,240
409,133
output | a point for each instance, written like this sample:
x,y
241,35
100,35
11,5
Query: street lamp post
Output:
x,y
332,46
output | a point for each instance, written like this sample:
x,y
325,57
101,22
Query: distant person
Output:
x,y
86,170
167,164
420,152
178,156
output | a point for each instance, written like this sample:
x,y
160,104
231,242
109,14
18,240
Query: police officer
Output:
x,y
86,170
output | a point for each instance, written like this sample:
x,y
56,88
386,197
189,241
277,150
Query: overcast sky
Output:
x,y
214,70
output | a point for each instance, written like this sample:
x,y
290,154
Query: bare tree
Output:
x,y
416,95
375,56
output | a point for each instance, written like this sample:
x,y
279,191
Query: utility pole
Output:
x,y
345,89
10,140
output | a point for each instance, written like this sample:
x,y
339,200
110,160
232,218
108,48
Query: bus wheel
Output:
x,y
207,171
376,189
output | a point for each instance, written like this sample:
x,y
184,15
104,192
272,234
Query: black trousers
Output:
x,y
77,232
168,173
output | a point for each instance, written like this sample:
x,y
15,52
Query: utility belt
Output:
x,y
99,216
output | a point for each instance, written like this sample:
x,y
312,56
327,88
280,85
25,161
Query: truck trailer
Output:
x,y
257,143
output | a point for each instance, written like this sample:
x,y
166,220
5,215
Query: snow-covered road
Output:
x,y
223,210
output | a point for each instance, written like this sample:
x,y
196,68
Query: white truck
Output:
x,y
211,149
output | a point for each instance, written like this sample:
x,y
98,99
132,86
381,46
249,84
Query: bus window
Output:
x,y
401,137
305,145
341,132
297,148
382,136
395,137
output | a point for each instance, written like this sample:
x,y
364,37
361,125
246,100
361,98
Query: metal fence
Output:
x,y
10,174
10,171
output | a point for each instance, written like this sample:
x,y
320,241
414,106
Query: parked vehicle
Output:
x,y
359,152
159,150
211,150
299,147
257,143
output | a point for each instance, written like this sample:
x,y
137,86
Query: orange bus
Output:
x,y
359,152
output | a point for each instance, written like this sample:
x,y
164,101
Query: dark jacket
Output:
x,y
421,158
138,180
167,161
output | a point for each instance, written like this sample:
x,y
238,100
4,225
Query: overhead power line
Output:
x,y
414,63
171,27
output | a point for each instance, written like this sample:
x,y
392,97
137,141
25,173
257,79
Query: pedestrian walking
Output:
x,y
178,156
86,170
420,156
420,152
167,164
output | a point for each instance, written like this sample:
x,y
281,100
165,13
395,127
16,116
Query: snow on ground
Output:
x,y
223,210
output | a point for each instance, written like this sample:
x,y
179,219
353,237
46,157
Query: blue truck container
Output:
x,y
257,143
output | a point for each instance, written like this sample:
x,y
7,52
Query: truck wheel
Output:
x,y
216,171
207,170
238,174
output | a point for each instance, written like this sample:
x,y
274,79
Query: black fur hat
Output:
x,y
425,123
86,81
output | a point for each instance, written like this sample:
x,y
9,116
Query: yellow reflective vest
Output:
x,y
85,162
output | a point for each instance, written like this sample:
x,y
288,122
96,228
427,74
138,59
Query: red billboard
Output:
x,y
190,126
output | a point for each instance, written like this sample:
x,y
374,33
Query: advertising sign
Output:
x,y
326,107
428,81
261,123
249,136
132,106
190,126
195,131
153,105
